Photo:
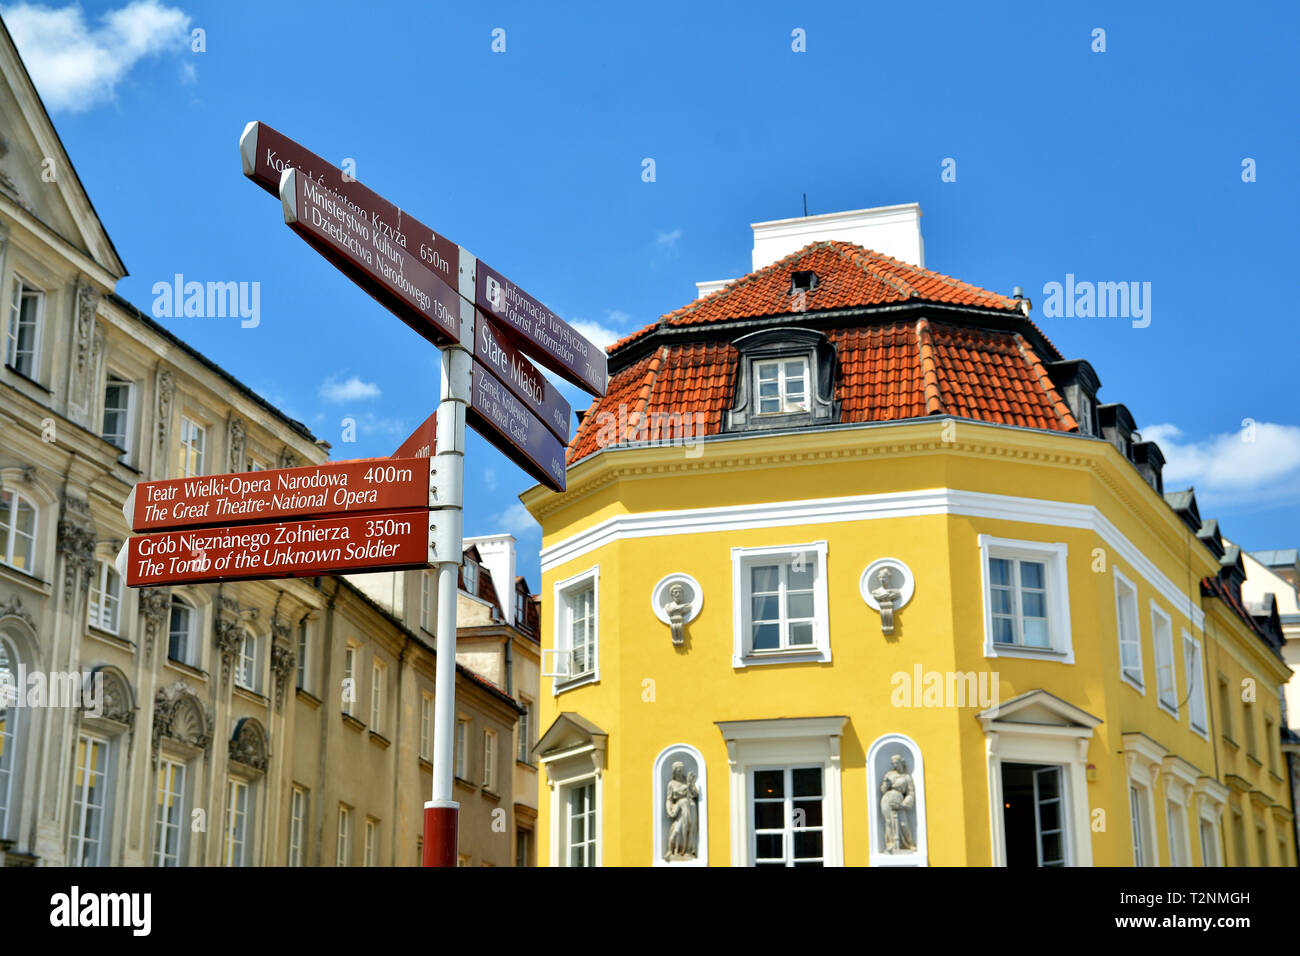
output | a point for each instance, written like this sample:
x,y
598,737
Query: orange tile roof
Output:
x,y
885,370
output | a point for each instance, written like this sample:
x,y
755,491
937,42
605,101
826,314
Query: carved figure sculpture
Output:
x,y
682,806
887,597
677,609
898,795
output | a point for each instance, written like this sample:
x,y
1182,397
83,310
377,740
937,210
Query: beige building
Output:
x,y
274,722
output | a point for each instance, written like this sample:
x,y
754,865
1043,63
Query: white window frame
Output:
x,y
171,772
349,701
370,849
785,742
460,749
246,663
1122,582
742,559
591,825
11,534
1064,744
1144,761
786,408
302,668
470,572
524,749
189,430
21,287
426,601
1162,647
1194,670
1176,824
237,834
343,845
80,834
562,654
104,609
298,805
191,643
426,725
1054,556
1210,854
1211,799
489,759
378,677
128,414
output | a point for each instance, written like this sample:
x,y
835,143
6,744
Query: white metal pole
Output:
x,y
447,498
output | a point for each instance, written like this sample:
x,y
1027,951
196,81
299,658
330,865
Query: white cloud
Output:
x,y
618,317
516,520
490,479
75,66
350,391
372,424
1260,462
668,239
596,333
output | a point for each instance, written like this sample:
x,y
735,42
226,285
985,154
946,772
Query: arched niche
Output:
x,y
880,762
107,695
248,745
692,763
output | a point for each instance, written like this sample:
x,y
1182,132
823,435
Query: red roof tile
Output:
x,y
885,371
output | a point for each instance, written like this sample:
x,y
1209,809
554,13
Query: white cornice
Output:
x,y
903,504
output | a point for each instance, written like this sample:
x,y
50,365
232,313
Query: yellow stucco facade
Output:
x,y
938,497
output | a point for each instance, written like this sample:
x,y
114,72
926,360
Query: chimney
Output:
x,y
891,230
498,554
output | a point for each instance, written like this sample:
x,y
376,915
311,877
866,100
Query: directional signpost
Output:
x,y
381,514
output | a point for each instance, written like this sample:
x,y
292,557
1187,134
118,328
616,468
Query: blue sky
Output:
x,y
1122,165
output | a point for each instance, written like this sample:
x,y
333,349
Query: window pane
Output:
x,y
794,369
1000,572
808,845
1036,633
769,815
767,371
801,604
1001,600
764,579
1033,604
811,811
808,782
766,636
1004,630
801,634
766,608
770,846
1032,575
802,574
769,783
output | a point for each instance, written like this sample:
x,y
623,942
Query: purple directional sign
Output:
x,y
541,333
517,433
494,351
340,232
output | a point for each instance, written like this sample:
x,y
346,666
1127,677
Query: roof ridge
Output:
x,y
1045,382
857,255
929,371
647,389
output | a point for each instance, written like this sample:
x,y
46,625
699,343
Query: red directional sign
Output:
x,y
384,540
266,154
540,332
338,487
494,352
341,233
517,433
422,442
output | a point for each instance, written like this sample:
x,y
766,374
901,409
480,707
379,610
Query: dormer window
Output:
x,y
470,574
785,380
802,281
781,386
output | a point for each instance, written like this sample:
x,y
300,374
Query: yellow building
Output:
x,y
853,569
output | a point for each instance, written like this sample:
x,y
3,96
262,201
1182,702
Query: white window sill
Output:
x,y
1028,652
810,655
570,683
1202,732
1140,688
1171,711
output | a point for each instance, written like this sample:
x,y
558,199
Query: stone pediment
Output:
x,y
36,173
570,731
1038,708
